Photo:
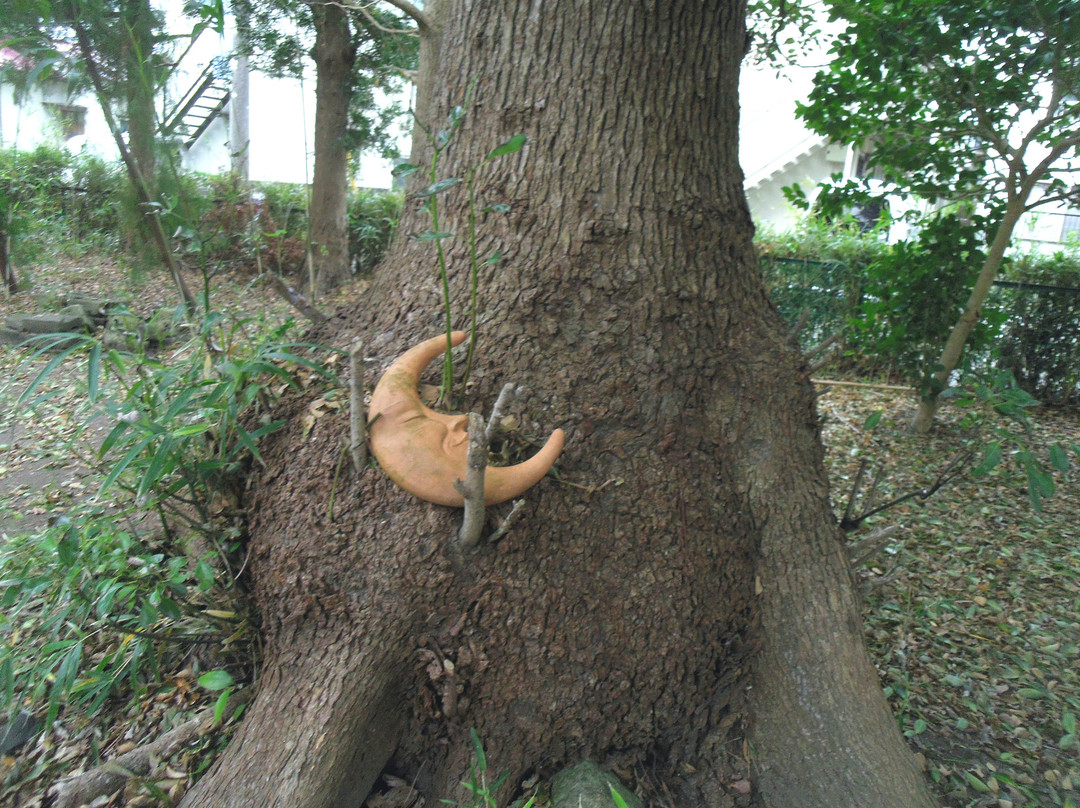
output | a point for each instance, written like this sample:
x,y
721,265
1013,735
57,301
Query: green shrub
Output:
x,y
89,607
57,204
816,273
373,217
914,294
1040,342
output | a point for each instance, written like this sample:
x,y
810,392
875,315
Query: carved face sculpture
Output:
x,y
424,451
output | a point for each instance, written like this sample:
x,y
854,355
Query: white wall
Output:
x,y
281,124
30,124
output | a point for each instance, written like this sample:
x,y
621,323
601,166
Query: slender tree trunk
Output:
x,y
7,271
954,345
139,94
334,54
686,552
142,193
239,117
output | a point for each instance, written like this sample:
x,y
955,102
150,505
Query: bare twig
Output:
x,y
473,488
850,509
952,470
508,522
868,385
865,549
822,362
800,324
86,787
506,397
825,344
357,416
299,302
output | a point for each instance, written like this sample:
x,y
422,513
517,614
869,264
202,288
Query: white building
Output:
x,y
276,136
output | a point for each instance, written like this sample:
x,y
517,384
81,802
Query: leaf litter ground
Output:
x,y
972,608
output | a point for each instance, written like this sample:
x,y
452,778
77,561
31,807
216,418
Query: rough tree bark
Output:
x,y
334,53
137,45
686,557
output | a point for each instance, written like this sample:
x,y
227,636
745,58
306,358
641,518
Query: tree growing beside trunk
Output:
x,y
357,50
680,588
966,103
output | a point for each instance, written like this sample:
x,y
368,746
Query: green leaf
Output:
x,y
919,727
873,420
440,186
404,169
171,609
617,798
68,547
991,459
1068,721
1038,480
1059,459
216,680
161,464
7,679
493,259
192,429
432,235
119,467
204,575
65,676
219,706
478,750
48,343
976,783
512,146
93,369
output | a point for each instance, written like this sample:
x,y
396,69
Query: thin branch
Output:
x,y
374,23
472,489
825,350
800,324
868,385
865,549
952,470
506,397
508,522
1067,195
299,302
818,365
1043,168
133,169
357,416
423,22
850,509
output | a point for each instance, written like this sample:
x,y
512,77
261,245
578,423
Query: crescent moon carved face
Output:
x,y
424,451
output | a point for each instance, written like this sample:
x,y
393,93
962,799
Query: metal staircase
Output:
x,y
201,104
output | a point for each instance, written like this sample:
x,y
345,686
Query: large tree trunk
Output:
x,y
334,54
687,552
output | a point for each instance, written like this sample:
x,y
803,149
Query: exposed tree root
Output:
x,y
109,776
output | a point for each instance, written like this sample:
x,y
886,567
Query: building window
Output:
x,y
70,117
1070,228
